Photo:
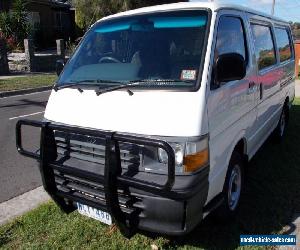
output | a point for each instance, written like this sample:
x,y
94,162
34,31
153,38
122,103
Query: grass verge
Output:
x,y
27,82
270,199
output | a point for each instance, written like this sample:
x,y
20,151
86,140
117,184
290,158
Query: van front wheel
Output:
x,y
233,187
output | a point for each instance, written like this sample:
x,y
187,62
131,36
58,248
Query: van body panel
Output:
x,y
146,112
275,83
237,113
271,98
231,114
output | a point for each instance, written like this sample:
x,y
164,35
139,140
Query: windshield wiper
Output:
x,y
139,83
120,86
73,85
84,83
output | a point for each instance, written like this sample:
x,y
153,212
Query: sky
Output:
x,y
288,10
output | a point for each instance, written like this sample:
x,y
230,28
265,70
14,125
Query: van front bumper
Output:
x,y
136,202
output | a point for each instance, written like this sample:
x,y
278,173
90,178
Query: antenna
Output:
x,y
273,7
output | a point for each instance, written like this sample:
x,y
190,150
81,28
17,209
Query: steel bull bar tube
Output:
x,y
112,178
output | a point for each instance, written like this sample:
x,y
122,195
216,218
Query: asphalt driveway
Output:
x,y
17,173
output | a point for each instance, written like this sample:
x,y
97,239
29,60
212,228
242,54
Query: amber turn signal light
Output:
x,y
195,161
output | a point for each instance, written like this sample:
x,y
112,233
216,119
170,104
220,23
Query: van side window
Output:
x,y
230,37
264,46
283,44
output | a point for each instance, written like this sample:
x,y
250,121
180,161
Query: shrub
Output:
x,y
70,48
11,43
19,23
5,25
15,26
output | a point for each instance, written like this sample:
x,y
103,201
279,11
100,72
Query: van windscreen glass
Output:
x,y
165,48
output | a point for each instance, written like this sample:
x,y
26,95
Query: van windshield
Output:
x,y
163,48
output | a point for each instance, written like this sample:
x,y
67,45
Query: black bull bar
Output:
x,y
112,178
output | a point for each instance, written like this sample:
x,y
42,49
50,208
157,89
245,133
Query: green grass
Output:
x,y
27,82
269,202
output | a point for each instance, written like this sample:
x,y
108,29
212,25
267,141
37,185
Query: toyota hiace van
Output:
x,y
154,118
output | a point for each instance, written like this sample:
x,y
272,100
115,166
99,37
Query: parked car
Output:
x,y
153,120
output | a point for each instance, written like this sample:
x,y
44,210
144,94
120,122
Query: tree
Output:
x,y
296,30
20,24
89,11
5,25
14,26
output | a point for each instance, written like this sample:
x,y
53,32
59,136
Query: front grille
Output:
x,y
92,149
92,191
87,154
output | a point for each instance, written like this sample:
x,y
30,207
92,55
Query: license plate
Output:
x,y
94,213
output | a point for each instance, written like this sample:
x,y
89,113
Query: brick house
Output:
x,y
50,19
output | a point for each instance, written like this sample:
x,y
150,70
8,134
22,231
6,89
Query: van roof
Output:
x,y
193,4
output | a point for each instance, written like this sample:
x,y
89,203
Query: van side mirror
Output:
x,y
60,64
230,67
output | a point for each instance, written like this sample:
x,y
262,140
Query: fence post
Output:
x,y
29,54
60,44
4,69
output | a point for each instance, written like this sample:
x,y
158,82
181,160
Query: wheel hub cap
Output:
x,y
234,190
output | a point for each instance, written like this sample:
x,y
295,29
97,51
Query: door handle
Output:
x,y
261,91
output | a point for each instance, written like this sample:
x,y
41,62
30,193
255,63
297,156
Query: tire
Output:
x,y
280,130
232,189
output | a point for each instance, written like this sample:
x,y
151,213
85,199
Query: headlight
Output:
x,y
162,156
179,154
189,156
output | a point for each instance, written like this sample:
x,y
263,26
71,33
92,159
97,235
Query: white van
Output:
x,y
154,118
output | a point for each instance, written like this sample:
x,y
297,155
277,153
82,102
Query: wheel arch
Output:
x,y
217,179
287,100
241,148
238,145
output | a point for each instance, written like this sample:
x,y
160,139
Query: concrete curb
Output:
x,y
24,91
17,206
292,229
